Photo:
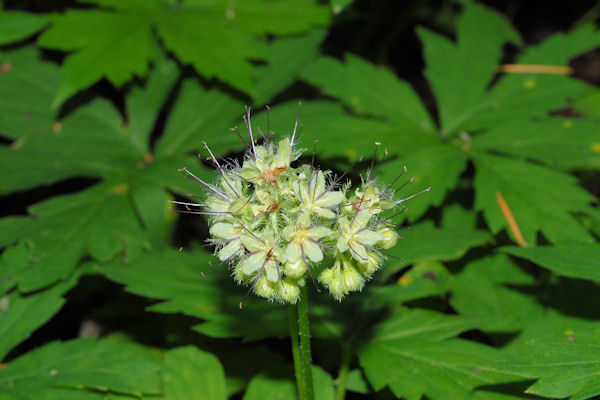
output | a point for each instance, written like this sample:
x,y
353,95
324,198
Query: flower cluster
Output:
x,y
275,223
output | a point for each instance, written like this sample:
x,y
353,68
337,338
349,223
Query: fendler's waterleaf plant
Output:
x,y
275,222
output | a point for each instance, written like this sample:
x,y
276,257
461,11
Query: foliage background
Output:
x,y
101,101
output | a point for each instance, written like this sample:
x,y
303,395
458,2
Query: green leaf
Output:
x,y
22,314
540,199
84,364
192,373
425,242
382,94
575,260
278,383
218,38
179,279
98,221
287,57
562,143
424,279
412,352
35,83
468,66
589,103
485,288
200,115
526,95
185,34
105,44
16,25
565,363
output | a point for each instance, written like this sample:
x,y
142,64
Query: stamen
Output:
x,y
377,144
187,204
396,180
268,124
295,127
248,123
208,185
338,179
220,169
411,180
385,154
414,195
239,134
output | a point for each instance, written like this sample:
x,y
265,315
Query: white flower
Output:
x,y
356,236
304,240
315,197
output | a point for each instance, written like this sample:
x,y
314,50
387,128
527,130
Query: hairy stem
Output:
x,y
305,356
293,317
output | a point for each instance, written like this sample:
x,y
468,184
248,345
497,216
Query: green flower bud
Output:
x,y
390,238
295,269
288,290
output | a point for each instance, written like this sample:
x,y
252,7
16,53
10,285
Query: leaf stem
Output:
x,y
343,372
305,356
293,317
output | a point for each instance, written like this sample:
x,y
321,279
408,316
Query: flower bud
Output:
x,y
352,279
390,238
265,288
295,269
288,290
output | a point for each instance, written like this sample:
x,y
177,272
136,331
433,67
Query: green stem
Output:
x,y
343,373
293,317
305,357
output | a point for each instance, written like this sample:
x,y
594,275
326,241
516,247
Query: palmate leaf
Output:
x,y
467,66
127,210
487,286
575,260
190,373
564,361
541,199
16,25
415,354
98,221
179,279
277,383
82,365
286,57
218,38
425,242
563,143
22,314
467,118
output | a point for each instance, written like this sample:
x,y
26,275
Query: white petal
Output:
x,y
319,232
368,237
252,243
271,271
330,199
293,252
362,219
253,263
312,251
325,213
229,250
342,244
359,252
223,231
